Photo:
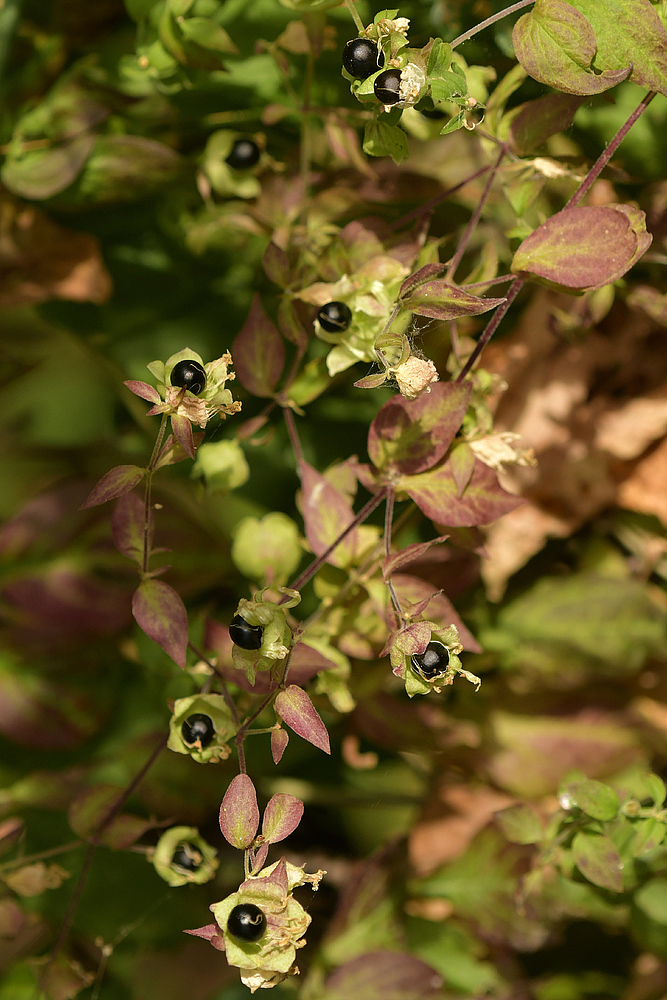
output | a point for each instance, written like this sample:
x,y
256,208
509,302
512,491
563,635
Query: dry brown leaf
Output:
x,y
645,489
41,260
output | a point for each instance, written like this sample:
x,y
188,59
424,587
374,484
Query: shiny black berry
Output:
x,y
198,729
244,155
432,662
189,375
335,317
187,856
361,58
245,635
387,85
246,922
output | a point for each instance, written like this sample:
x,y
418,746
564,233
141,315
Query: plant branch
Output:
x,y
492,326
148,520
388,521
428,205
609,151
355,15
223,684
474,218
293,434
489,21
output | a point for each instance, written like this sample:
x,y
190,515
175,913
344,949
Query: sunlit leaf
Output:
x,y
160,612
239,812
297,710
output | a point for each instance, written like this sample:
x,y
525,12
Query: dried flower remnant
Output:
x,y
415,376
499,450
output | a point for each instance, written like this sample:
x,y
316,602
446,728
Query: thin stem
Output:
x,y
492,326
148,520
474,218
223,685
427,206
490,281
311,570
355,15
304,151
606,156
490,20
29,859
388,521
294,437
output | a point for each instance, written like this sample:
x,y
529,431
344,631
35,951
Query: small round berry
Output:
x,y
244,155
198,730
189,375
432,662
335,317
246,922
187,856
362,58
387,86
245,635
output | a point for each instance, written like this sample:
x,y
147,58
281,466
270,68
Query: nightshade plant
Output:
x,y
332,617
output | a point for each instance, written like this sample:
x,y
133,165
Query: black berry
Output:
x,y
198,729
432,662
362,58
187,856
244,155
335,317
387,86
246,922
189,375
245,635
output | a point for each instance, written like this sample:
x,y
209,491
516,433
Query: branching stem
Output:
x,y
148,519
489,21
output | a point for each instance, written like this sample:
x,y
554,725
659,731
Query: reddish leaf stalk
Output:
x,y
293,434
388,520
311,570
492,326
148,531
489,21
475,217
223,685
428,205
606,156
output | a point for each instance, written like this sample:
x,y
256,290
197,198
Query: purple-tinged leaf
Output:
x,y
279,741
519,824
441,300
261,855
114,484
326,514
371,381
556,45
384,975
292,321
172,452
593,797
258,352
411,436
585,247
160,612
88,811
463,465
412,590
435,493
42,173
144,390
239,812
281,817
276,265
540,119
210,933
394,562
596,857
125,830
182,429
420,277
127,527
295,707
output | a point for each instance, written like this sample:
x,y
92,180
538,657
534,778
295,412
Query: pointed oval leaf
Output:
x,y
260,857
182,429
144,390
160,612
596,857
295,707
114,484
519,824
326,514
542,118
556,44
394,562
594,798
276,265
279,741
584,247
441,300
281,817
384,975
371,381
411,436
127,527
258,352
42,173
436,494
239,812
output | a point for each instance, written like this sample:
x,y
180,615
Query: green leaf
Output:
x,y
267,549
556,45
439,299
281,817
593,797
43,173
651,898
207,33
439,59
435,492
540,119
381,139
649,834
448,86
519,824
453,124
596,857
583,248
295,707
